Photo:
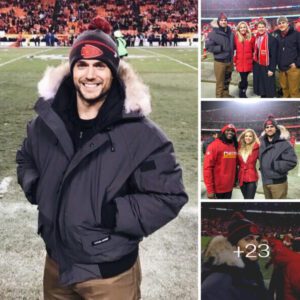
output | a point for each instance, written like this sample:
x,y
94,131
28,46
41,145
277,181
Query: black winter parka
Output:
x,y
130,163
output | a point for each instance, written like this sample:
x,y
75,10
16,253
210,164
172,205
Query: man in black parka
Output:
x,y
102,174
288,58
276,158
220,42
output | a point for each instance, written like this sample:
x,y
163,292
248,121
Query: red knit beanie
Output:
x,y
222,16
270,121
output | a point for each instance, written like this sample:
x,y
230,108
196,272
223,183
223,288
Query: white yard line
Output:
x,y
20,57
169,57
5,184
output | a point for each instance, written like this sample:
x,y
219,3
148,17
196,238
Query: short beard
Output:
x,y
271,136
100,98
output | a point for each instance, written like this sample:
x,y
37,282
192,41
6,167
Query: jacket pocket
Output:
x,y
95,242
102,245
45,229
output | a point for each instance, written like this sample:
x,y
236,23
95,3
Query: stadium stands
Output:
x,y
272,218
71,17
211,8
251,116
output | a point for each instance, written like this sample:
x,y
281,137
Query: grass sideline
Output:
x,y
173,88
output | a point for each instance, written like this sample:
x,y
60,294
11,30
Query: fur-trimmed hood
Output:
x,y
137,99
284,133
214,23
221,251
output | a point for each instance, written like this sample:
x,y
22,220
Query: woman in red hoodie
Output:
x,y
244,46
247,158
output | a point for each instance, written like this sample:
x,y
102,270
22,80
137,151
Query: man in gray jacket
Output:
x,y
277,157
102,174
220,42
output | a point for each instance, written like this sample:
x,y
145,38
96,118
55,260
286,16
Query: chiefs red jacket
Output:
x,y
290,262
219,168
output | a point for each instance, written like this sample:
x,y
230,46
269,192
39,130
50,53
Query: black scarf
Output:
x,y
65,105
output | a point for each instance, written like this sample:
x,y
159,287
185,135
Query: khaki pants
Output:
x,y
290,83
276,191
123,286
223,73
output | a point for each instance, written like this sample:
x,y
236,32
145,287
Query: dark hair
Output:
x,y
262,22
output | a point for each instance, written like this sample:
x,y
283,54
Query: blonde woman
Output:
x,y
247,158
244,48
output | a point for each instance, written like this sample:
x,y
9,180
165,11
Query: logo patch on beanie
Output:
x,y
254,229
90,51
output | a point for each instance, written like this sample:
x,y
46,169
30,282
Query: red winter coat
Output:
x,y
219,168
290,261
244,54
247,170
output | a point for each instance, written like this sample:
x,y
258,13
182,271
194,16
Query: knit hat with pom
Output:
x,y
96,43
270,121
240,227
222,16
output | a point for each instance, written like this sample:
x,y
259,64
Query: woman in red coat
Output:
x,y
244,46
247,158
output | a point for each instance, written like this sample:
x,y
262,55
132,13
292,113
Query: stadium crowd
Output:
x,y
70,17
246,8
233,113
215,222
251,117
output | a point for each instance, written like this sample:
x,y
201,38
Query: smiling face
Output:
x,y
92,79
243,28
249,245
282,26
249,138
229,134
270,130
223,23
261,28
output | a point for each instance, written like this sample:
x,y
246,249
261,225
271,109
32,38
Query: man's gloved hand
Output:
x,y
108,215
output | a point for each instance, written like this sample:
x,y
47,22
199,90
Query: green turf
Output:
x,y
173,88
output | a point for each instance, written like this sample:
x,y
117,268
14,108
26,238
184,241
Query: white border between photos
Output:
x,y
200,200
